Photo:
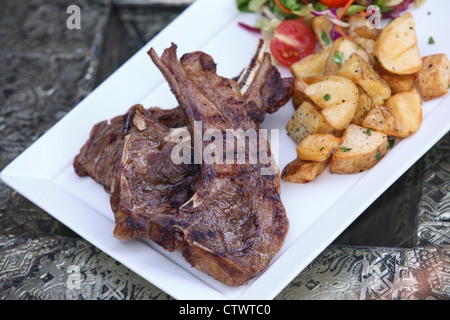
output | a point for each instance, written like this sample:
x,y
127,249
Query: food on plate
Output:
x,y
301,171
365,76
361,149
434,77
322,28
406,107
380,119
341,52
228,221
292,40
337,97
308,119
398,83
396,48
96,157
347,17
360,90
317,147
365,104
311,65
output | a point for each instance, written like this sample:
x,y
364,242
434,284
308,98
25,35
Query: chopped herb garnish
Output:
x,y
325,38
391,143
326,97
378,155
376,59
344,149
431,40
338,57
358,47
368,132
321,149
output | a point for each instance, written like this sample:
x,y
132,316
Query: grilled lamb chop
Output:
x,y
235,222
98,155
260,81
146,182
150,193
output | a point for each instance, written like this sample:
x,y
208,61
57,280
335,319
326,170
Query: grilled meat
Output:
x,y
235,222
226,219
98,155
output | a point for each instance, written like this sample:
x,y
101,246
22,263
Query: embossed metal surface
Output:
x,y
46,69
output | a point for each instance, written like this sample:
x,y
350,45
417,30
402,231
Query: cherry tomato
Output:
x,y
334,3
292,41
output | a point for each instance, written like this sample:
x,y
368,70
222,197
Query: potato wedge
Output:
x,y
352,69
365,104
317,147
362,74
434,77
338,98
308,119
322,29
301,171
398,83
299,96
365,32
361,149
341,51
331,91
406,107
355,22
340,116
369,46
396,47
380,119
311,66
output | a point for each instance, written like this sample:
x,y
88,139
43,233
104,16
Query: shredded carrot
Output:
x,y
305,2
283,8
341,14
363,13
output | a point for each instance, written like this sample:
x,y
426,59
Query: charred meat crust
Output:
x,y
239,206
227,221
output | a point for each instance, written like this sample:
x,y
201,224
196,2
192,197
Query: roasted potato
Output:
x,y
360,150
406,107
380,119
365,32
434,77
317,147
396,47
398,83
311,66
337,97
308,119
299,96
362,74
355,22
369,46
322,29
341,51
365,104
301,171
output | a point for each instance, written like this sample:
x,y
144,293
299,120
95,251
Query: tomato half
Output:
x,y
334,3
292,41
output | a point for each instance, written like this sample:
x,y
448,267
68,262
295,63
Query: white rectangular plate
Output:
x,y
318,211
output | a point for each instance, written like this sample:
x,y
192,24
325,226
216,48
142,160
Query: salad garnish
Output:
x,y
276,12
